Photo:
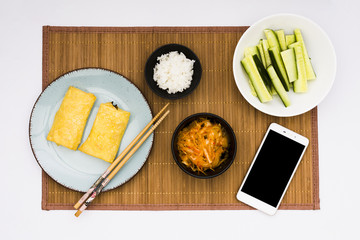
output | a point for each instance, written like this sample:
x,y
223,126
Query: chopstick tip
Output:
x,y
77,214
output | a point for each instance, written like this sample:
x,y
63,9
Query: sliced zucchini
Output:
x,y
265,46
256,80
289,39
272,38
310,74
293,45
281,37
263,73
278,64
278,86
253,92
262,55
250,51
300,85
273,91
288,57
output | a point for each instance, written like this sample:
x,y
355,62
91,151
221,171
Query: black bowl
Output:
x,y
232,146
152,61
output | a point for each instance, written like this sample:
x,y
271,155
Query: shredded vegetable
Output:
x,y
202,145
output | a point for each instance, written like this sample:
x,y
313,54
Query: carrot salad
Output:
x,y
202,145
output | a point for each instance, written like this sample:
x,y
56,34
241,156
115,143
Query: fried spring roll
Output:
x,y
70,120
107,131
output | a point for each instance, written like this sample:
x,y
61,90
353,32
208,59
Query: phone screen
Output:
x,y
273,168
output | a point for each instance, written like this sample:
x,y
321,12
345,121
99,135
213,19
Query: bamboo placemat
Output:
x,y
160,184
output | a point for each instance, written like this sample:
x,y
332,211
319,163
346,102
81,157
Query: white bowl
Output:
x,y
321,52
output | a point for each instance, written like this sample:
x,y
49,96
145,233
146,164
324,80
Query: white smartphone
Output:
x,y
272,169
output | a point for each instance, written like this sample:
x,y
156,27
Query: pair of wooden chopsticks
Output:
x,y
118,163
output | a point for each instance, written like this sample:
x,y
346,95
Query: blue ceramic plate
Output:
x,y
74,169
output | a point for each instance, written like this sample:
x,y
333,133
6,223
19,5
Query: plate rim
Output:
x,y
49,85
333,52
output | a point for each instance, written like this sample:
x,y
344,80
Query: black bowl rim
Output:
x,y
181,125
194,83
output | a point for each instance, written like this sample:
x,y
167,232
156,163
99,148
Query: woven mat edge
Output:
x,y
47,206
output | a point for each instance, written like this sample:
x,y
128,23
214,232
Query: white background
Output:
x,y
21,216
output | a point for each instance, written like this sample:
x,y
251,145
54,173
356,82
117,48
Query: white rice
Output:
x,y
173,72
